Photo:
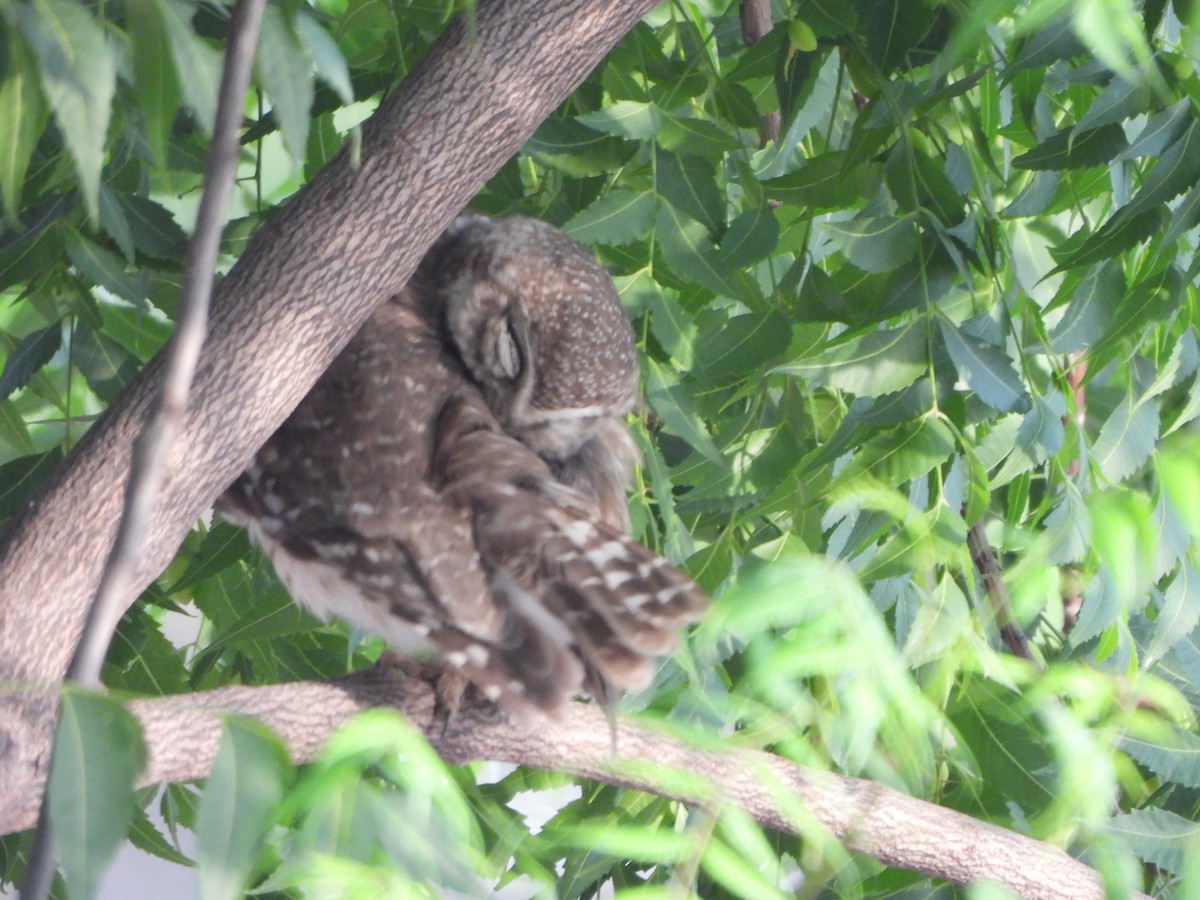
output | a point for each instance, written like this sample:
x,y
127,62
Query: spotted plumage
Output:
x,y
455,482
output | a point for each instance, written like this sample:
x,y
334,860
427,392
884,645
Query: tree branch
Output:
x,y
182,734
312,274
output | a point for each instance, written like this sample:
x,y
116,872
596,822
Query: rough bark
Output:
x,y
182,734
346,242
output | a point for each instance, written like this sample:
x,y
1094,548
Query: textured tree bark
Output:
x,y
182,734
345,243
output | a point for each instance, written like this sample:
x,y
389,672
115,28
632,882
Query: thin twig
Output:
x,y
756,24
989,571
148,464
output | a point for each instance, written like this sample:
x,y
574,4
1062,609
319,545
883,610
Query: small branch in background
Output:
x,y
152,450
756,23
1076,372
988,568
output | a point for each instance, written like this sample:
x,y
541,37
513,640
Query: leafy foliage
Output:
x,y
958,289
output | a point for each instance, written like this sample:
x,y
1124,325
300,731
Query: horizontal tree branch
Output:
x,y
182,734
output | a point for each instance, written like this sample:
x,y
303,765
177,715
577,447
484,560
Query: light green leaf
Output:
x,y
876,244
615,218
986,369
672,404
1166,750
24,112
878,362
626,119
1072,148
1090,310
899,455
743,345
98,753
751,237
102,267
285,73
1178,615
1127,438
78,79
198,63
326,56
687,247
942,617
156,80
239,804
573,148
34,351
1176,171
1158,836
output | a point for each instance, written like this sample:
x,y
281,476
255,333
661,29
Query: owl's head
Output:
x,y
538,325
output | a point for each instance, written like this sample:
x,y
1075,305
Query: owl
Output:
x,y
455,482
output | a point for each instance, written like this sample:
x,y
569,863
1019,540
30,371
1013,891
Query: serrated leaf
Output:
x,y
901,454
1178,615
1122,231
942,617
24,112
573,148
1068,528
156,81
13,431
918,182
743,345
238,806
98,752
1090,310
101,266
1161,131
696,136
223,546
1176,171
1073,149
626,119
34,351
688,183
284,72
878,362
878,243
751,237
672,404
891,28
105,364
986,369
615,218
688,248
824,182
196,60
1158,836
1168,751
152,227
1127,438
78,80
1119,101
326,56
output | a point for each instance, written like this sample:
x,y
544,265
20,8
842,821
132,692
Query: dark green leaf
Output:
x,y
34,351
1118,234
892,28
573,148
284,70
24,112
1072,149
1176,172
19,477
688,184
876,244
616,218
744,345
875,363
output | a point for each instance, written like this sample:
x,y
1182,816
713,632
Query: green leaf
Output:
x,y
1176,172
1122,231
943,616
33,352
152,227
744,345
876,244
24,113
1075,149
892,28
1090,310
615,218
573,148
695,136
688,184
1166,750
285,73
102,267
899,455
105,364
199,64
824,182
1127,438
326,56
78,79
19,477
239,804
672,404
1178,615
917,182
1158,836
688,248
223,546
155,78
626,119
986,369
98,753
878,362
751,237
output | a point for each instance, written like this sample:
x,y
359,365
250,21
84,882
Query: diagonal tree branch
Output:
x,y
311,275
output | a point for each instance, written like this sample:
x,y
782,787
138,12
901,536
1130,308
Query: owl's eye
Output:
x,y
506,358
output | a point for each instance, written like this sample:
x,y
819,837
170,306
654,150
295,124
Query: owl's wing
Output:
x,y
550,558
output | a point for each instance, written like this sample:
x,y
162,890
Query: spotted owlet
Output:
x,y
455,482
